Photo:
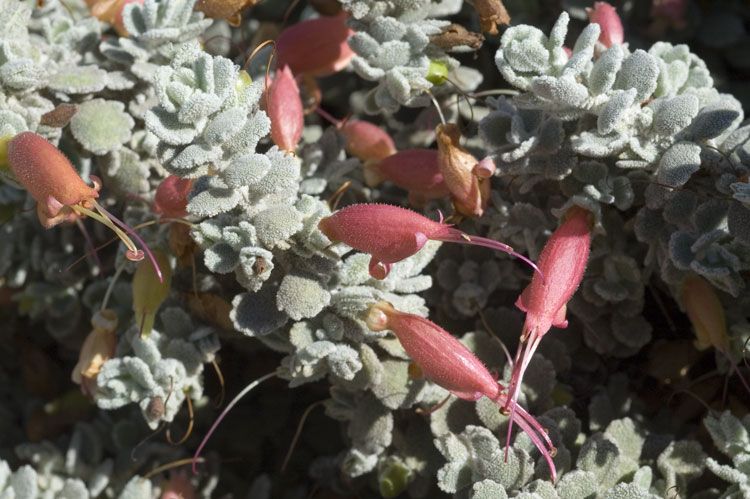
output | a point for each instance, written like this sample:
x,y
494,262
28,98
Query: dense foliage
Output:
x,y
225,154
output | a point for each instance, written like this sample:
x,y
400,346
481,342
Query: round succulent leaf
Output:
x,y
605,69
715,119
78,79
577,484
488,489
101,126
739,222
675,114
679,163
21,74
255,314
301,297
277,224
639,71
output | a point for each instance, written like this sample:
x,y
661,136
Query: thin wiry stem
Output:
x,y
223,414
189,429
437,107
298,433
173,464
111,286
89,242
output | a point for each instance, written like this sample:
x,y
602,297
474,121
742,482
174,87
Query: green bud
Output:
x,y
437,74
244,80
393,478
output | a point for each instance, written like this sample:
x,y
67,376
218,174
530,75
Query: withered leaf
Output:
x,y
60,116
491,13
455,35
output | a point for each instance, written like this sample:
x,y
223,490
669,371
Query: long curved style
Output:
x,y
391,234
448,363
563,262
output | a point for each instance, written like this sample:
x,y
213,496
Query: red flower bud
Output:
x,y
49,177
60,193
171,196
415,170
605,15
316,47
366,141
284,107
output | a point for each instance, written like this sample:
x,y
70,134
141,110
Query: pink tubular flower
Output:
x,y
606,17
366,141
563,263
284,107
390,234
316,47
414,170
61,194
462,172
50,178
447,362
171,196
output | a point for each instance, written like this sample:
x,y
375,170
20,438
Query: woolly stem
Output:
x,y
105,300
223,414
453,235
89,242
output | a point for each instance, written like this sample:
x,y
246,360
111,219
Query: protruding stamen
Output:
x,y
135,235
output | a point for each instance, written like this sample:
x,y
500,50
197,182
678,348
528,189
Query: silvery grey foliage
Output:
x,y
731,436
641,138
392,42
625,129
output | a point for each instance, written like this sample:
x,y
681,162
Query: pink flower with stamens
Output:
x,y
61,194
605,15
391,234
563,263
316,47
448,363
49,177
414,170
284,108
